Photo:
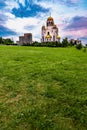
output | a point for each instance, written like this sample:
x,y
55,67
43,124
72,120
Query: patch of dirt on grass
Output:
x,y
15,99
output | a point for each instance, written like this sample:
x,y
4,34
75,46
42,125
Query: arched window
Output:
x,y
48,33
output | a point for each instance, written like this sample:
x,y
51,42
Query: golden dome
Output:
x,y
58,37
48,36
50,21
49,18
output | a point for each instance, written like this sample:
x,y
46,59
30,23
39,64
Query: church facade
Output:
x,y
50,32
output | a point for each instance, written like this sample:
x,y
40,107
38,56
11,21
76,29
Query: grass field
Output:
x,y
43,88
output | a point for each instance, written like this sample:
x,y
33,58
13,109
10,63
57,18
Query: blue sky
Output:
x,y
22,16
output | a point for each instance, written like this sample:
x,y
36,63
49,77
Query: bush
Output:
x,y
79,46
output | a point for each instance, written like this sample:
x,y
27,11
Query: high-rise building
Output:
x,y
21,40
26,39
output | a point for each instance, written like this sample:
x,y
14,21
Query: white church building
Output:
x,y
50,32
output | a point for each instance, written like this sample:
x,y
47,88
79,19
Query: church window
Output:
x,y
48,33
47,23
54,38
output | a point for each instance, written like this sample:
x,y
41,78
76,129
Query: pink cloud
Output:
x,y
75,33
75,1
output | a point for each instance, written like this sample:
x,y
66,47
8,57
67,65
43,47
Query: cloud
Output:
x,y
29,27
3,19
26,25
28,10
69,3
6,31
77,23
76,28
11,4
22,16
84,40
2,4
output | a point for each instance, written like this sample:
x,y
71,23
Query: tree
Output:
x,y
72,42
1,40
8,41
65,42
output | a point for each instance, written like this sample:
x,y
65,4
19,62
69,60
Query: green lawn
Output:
x,y
43,88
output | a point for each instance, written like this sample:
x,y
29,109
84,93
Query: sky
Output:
x,y
28,16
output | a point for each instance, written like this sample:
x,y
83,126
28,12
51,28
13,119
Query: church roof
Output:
x,y
43,27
